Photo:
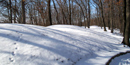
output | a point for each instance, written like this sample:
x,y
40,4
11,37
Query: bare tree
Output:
x,y
56,12
81,11
100,5
64,18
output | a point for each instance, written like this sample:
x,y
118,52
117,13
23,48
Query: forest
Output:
x,y
114,14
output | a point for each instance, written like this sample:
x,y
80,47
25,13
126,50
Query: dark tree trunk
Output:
x,y
89,14
124,21
49,11
127,23
23,12
103,20
120,20
111,13
15,13
8,14
31,15
69,13
10,6
109,18
108,21
103,17
72,14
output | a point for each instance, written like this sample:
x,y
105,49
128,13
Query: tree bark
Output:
x,y
103,17
111,14
10,6
23,12
89,14
126,40
124,21
15,13
109,21
49,11
69,13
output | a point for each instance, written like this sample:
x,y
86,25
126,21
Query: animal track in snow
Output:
x,y
15,43
11,59
13,53
16,48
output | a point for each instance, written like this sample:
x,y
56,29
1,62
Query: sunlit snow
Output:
x,y
22,44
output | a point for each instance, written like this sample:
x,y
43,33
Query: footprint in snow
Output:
x,y
15,43
11,59
13,53
16,48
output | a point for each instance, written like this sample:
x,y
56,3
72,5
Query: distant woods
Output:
x,y
114,14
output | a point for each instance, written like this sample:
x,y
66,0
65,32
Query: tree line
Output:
x,y
113,14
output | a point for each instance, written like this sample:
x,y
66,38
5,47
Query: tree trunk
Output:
x,y
23,12
124,21
126,36
109,17
72,22
10,6
89,14
111,13
8,14
108,21
15,12
103,17
69,13
31,15
49,11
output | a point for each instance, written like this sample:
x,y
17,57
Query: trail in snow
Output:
x,y
12,58
57,45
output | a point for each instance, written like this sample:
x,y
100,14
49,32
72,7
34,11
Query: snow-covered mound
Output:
x,y
56,45
121,60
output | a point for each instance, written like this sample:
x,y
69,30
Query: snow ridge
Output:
x,y
56,45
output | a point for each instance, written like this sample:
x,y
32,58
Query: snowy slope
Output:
x,y
121,60
56,45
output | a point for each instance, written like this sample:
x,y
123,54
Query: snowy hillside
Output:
x,y
57,45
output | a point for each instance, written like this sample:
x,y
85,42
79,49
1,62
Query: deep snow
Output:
x,y
121,60
22,44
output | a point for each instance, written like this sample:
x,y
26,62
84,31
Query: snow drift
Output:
x,y
22,44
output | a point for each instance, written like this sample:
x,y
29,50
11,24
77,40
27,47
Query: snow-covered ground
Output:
x,y
57,45
121,60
